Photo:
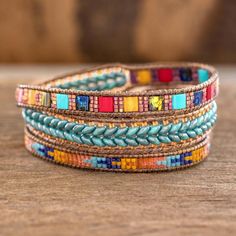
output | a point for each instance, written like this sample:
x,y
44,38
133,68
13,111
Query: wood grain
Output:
x,y
39,198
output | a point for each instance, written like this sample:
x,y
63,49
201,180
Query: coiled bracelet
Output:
x,y
123,118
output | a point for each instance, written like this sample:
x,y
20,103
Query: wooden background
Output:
x,y
40,198
117,30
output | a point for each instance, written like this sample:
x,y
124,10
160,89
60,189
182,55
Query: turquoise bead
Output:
x,y
94,162
62,101
164,163
203,75
179,101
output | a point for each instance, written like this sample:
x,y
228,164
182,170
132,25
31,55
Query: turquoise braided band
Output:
x,y
120,136
97,83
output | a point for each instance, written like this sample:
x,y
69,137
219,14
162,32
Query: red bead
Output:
x,y
165,75
209,92
105,104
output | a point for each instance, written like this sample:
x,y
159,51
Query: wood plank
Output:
x,y
39,198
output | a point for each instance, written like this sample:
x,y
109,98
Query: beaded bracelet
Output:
x,y
155,117
173,160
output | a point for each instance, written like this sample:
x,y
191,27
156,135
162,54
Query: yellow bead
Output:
x,y
156,102
130,104
123,164
50,153
134,163
31,97
144,77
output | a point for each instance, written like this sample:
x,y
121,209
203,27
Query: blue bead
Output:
x,y
82,103
118,159
133,78
62,101
198,98
109,166
104,166
182,155
154,75
181,159
185,74
179,101
99,165
177,157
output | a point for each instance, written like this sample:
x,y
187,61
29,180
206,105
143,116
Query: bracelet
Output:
x,y
154,117
175,160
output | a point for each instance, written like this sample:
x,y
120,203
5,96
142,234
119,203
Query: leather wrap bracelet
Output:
x,y
123,118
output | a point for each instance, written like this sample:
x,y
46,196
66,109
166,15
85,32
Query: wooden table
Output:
x,y
40,198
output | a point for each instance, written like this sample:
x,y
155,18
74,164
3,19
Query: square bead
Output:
x,y
156,103
130,104
179,101
197,100
165,75
82,103
106,104
144,77
62,101
46,100
185,74
203,75
154,75
133,77
31,97
209,92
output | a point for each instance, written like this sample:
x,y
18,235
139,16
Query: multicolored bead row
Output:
x,y
167,75
108,104
75,101
159,163
153,118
